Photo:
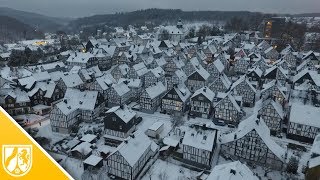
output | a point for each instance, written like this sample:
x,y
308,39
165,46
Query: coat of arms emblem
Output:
x,y
17,159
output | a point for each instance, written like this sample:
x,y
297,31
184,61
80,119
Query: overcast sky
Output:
x,y
80,8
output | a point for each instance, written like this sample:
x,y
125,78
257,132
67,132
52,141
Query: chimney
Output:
x,y
65,101
235,137
232,171
205,89
132,136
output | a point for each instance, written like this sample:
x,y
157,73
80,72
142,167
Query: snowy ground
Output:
x,y
73,166
149,119
163,170
31,119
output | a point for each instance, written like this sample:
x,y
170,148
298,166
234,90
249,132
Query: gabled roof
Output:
x,y
123,113
205,91
253,123
231,98
132,149
240,80
155,90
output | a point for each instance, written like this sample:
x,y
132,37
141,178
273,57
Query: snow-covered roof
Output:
x,y
27,82
305,114
140,68
232,171
200,139
80,57
314,162
132,149
253,123
198,68
72,80
132,83
315,149
41,76
121,88
183,92
88,138
93,160
105,81
156,90
155,126
218,64
75,99
206,92
313,74
243,79
84,148
170,141
231,98
123,113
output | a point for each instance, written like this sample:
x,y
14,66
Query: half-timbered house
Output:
x,y
304,124
176,99
198,146
251,143
119,123
130,157
272,113
150,98
201,102
228,109
242,87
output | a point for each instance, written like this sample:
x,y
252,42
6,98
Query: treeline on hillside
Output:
x,y
167,16
12,30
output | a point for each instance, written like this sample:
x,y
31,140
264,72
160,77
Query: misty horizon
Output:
x,y
83,8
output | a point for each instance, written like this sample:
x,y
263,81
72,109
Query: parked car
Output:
x,y
220,123
231,126
138,120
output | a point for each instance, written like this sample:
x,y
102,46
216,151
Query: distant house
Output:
x,y
241,65
15,102
242,87
198,146
119,123
216,68
150,98
70,81
228,109
76,106
154,76
273,114
276,72
198,78
201,102
271,53
120,71
45,94
119,94
274,90
82,59
304,122
130,157
220,84
255,75
251,142
176,99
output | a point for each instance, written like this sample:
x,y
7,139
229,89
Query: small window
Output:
x,y
114,119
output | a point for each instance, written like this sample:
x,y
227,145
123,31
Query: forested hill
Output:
x,y
161,16
12,30
41,22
